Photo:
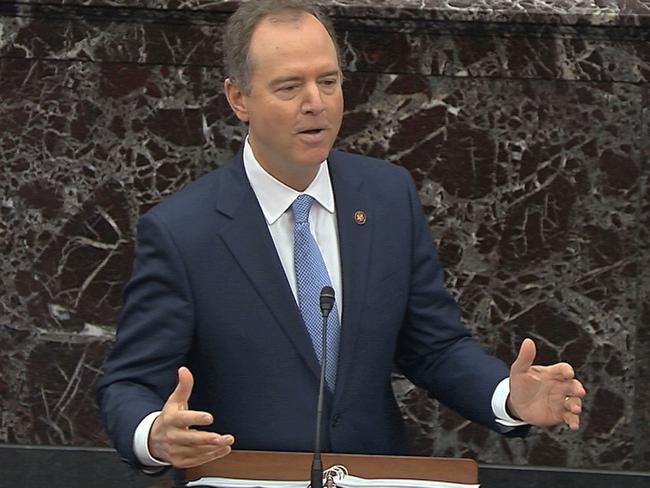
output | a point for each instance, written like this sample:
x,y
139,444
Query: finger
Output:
x,y
574,405
198,438
190,457
571,388
572,420
199,455
561,371
525,359
181,394
187,418
577,389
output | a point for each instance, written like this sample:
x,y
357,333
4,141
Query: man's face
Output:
x,y
295,104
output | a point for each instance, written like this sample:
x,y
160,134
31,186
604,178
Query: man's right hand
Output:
x,y
172,440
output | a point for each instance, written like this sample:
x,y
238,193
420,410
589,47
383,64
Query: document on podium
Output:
x,y
340,481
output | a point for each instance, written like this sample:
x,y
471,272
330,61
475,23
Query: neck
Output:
x,y
298,182
297,177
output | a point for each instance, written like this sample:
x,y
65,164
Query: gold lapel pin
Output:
x,y
360,217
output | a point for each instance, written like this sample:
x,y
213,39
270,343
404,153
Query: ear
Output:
x,y
236,99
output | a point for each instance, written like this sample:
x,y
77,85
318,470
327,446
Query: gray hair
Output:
x,y
242,24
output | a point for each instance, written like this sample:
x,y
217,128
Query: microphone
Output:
x,y
326,300
326,305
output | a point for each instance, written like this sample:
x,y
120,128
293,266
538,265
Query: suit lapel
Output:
x,y
245,232
354,247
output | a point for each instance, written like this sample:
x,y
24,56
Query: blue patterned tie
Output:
x,y
311,277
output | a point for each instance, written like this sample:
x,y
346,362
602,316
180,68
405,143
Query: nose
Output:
x,y
313,99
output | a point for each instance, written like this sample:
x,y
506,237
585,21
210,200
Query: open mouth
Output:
x,y
312,131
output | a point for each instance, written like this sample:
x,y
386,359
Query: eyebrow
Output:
x,y
330,73
284,79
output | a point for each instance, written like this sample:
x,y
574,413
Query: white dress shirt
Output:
x,y
275,199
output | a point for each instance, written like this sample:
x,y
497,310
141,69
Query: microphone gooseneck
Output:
x,y
326,305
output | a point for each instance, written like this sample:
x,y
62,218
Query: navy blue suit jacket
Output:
x,y
208,291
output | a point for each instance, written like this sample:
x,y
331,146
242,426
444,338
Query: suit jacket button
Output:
x,y
335,420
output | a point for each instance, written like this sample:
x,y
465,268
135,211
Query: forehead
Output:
x,y
291,37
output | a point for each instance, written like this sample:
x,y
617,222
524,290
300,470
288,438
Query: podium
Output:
x,y
295,466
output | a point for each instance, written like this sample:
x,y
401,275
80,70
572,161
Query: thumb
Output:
x,y
525,359
183,390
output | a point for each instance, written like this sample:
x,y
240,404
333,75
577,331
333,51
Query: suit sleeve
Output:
x,y
435,350
153,337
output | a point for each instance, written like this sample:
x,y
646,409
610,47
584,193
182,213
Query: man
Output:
x,y
220,324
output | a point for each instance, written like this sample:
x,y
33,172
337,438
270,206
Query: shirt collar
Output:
x,y
275,197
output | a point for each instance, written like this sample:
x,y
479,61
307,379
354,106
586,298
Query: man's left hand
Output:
x,y
544,395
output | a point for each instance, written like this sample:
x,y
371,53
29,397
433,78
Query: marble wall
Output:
x,y
525,125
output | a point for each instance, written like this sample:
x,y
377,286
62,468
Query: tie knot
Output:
x,y
301,207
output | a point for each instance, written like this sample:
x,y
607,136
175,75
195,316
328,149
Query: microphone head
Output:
x,y
326,299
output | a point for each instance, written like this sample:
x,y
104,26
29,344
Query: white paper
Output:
x,y
348,482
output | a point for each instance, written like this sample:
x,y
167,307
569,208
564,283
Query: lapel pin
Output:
x,y
360,217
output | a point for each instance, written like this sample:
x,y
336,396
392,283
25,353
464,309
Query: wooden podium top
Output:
x,y
294,466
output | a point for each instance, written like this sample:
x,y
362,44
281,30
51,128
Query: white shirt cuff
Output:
x,y
499,399
141,442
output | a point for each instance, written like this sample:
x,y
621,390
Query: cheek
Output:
x,y
272,122
279,121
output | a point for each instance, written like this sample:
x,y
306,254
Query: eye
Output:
x,y
288,88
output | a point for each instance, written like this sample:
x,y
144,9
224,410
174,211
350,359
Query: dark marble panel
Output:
x,y
418,47
86,148
570,12
528,188
555,12
531,188
642,338
113,35
467,51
